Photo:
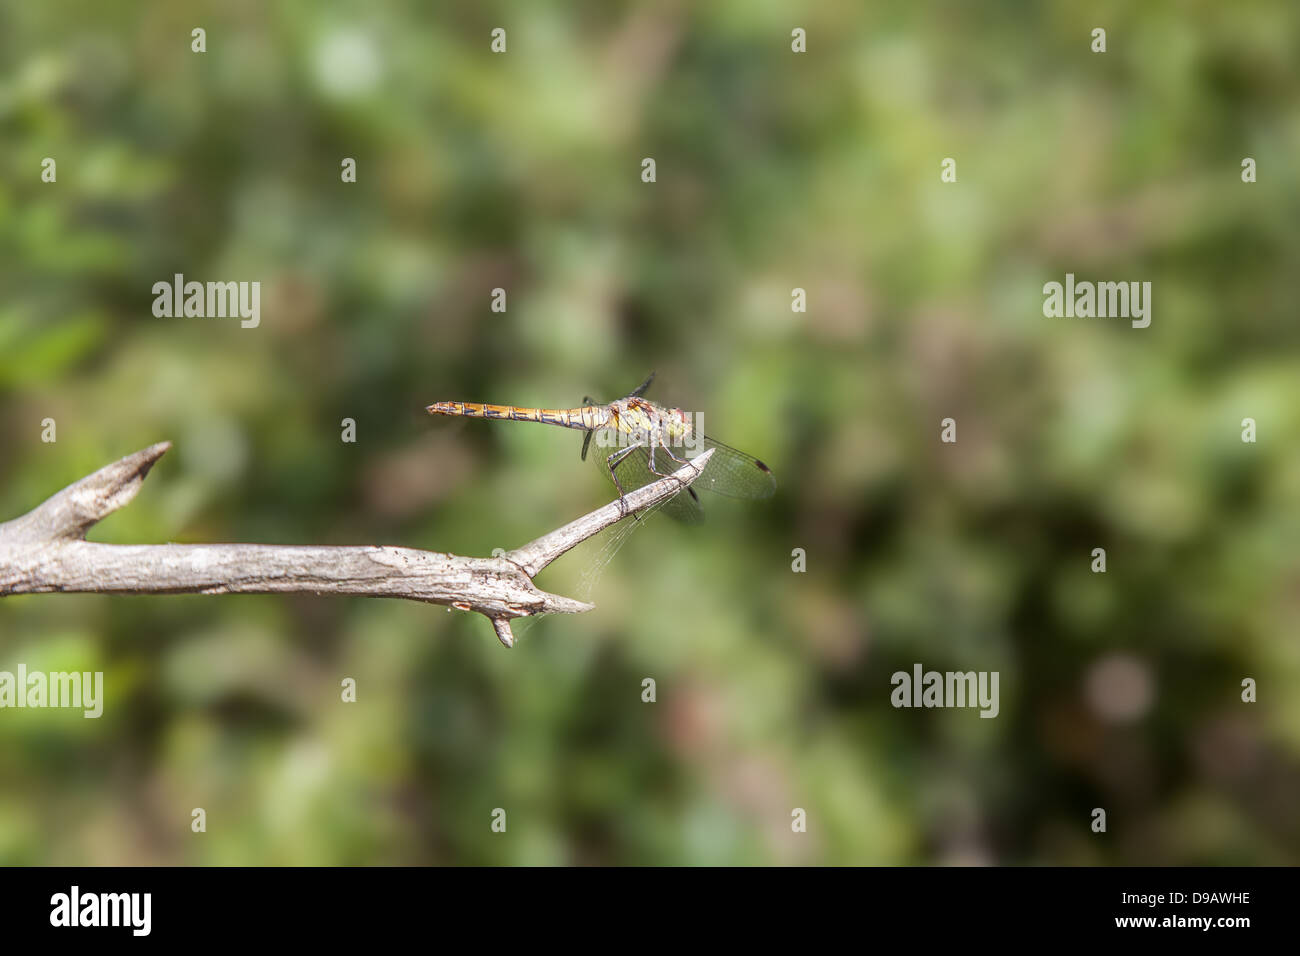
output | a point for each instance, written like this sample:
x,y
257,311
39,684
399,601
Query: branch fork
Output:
x,y
46,550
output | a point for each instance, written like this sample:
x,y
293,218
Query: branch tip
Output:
x,y
68,514
502,626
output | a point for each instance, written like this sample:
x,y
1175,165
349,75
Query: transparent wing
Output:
x,y
730,472
634,472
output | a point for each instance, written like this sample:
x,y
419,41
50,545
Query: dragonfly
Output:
x,y
650,441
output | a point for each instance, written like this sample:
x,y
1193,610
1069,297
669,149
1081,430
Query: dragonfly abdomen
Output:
x,y
585,418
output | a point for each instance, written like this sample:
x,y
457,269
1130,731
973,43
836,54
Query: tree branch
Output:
x,y
45,550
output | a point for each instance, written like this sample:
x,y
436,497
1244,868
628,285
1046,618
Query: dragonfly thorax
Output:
x,y
646,423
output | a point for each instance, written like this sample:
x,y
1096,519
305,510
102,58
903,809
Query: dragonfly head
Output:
x,y
678,426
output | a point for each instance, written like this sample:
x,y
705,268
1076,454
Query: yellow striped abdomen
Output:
x,y
586,417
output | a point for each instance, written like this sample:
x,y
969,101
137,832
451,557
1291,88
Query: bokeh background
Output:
x,y
775,170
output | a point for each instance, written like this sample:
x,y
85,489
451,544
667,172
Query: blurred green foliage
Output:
x,y
775,171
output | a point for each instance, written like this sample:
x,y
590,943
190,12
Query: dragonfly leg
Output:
x,y
613,461
667,451
640,389
664,445
652,461
680,461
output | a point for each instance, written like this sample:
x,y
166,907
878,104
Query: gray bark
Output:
x,y
46,550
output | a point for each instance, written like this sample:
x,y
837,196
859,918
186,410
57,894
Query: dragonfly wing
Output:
x,y
586,441
634,472
732,473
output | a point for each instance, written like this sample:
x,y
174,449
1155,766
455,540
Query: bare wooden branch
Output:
x,y
45,550
536,555
69,514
